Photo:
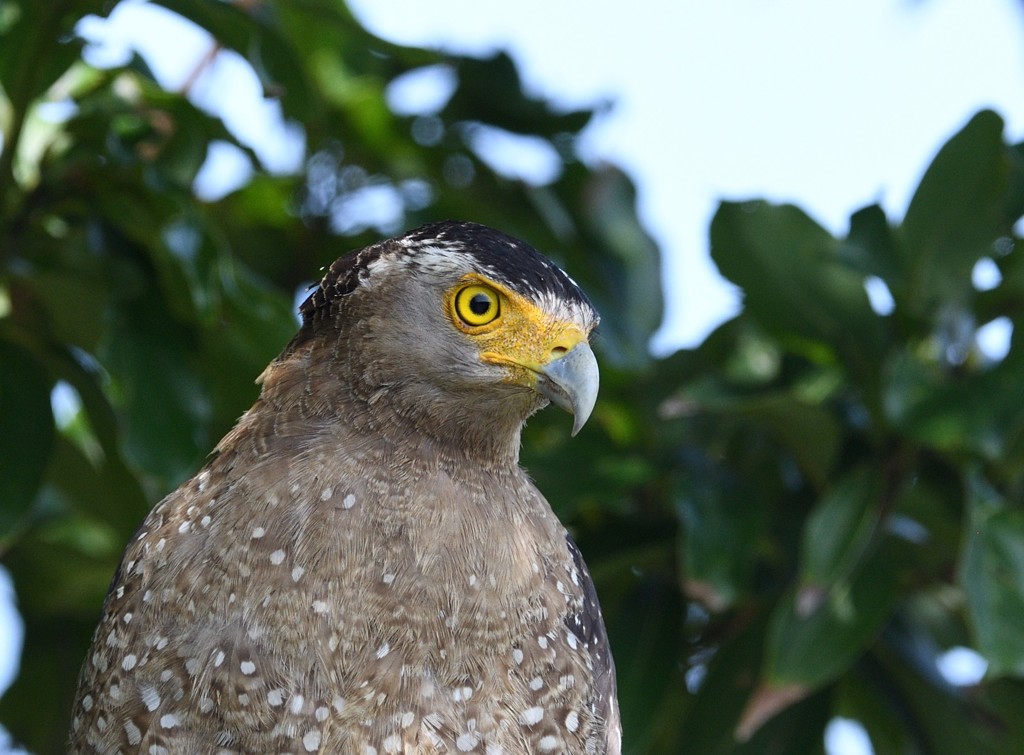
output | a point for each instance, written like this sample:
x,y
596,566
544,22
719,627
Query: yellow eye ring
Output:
x,y
478,305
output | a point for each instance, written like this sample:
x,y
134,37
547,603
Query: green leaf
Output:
x,y
963,204
104,501
1005,697
32,61
26,432
151,358
75,298
717,548
36,709
254,325
937,718
490,91
871,247
807,431
709,723
795,283
617,260
978,412
645,631
804,652
840,530
860,700
812,650
992,578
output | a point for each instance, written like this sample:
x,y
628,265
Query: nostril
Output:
x,y
558,351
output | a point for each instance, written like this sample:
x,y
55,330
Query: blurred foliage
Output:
x,y
790,523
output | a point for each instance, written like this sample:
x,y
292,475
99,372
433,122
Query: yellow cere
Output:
x,y
508,328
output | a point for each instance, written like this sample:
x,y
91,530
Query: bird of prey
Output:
x,y
362,566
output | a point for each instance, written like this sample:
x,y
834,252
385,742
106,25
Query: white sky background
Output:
x,y
830,105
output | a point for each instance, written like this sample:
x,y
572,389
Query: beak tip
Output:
x,y
571,382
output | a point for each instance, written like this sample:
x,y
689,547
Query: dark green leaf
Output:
x,y
992,577
938,719
807,432
795,284
977,412
725,681
961,207
150,357
839,532
26,432
616,259
811,650
33,58
490,91
720,529
871,248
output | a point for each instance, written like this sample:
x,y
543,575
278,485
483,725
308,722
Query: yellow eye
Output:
x,y
477,305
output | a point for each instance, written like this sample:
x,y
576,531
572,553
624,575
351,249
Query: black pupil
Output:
x,y
480,304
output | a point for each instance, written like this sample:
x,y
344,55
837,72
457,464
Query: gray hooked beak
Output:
x,y
571,382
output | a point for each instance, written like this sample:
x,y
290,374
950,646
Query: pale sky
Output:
x,y
830,105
